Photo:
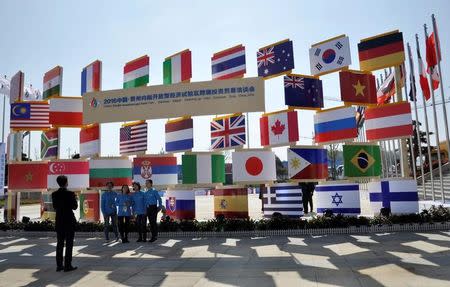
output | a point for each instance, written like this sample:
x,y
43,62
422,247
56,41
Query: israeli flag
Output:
x,y
400,195
340,198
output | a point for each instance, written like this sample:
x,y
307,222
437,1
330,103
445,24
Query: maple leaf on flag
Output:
x,y
278,128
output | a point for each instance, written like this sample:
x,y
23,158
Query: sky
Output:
x,y
38,35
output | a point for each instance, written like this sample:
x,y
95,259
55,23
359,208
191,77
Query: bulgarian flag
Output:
x,y
53,82
136,72
178,68
203,168
102,170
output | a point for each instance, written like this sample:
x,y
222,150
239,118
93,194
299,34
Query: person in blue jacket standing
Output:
x,y
154,205
124,202
109,210
140,210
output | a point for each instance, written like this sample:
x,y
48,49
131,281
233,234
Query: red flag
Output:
x,y
423,77
358,87
27,175
432,61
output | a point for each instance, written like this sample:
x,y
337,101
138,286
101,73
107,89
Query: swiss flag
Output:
x,y
279,128
253,166
27,175
358,87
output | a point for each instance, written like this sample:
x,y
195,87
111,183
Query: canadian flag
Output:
x,y
253,166
279,128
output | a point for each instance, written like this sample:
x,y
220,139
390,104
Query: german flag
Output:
x,y
381,51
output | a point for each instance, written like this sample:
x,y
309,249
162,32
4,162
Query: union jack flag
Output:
x,y
266,56
228,132
294,82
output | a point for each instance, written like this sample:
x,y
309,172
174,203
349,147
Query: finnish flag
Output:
x,y
400,195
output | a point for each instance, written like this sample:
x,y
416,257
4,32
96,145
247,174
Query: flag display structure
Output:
x,y
228,131
275,59
231,202
27,175
388,121
253,166
89,206
284,198
381,51
66,111
179,135
29,116
358,87
16,87
229,63
400,195
304,92
335,125
91,78
330,55
307,163
180,204
103,170
136,72
203,168
53,83
362,160
340,198
424,85
133,138
49,143
162,169
90,140
77,172
386,90
47,210
279,128
178,68
32,94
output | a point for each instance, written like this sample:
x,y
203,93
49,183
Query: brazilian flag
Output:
x,y
361,160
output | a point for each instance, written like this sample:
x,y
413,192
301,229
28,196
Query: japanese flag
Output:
x,y
253,166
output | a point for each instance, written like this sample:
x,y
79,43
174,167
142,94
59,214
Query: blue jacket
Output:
x,y
124,203
109,202
139,206
152,197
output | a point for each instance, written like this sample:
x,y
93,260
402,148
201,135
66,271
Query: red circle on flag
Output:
x,y
254,165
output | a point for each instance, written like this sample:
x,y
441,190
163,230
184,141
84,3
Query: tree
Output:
x,y
281,170
417,143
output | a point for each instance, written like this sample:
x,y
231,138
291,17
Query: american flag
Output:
x,y
275,59
228,132
30,116
133,138
285,198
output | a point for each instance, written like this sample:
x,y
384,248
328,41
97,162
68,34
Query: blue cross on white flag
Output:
x,y
400,195
340,198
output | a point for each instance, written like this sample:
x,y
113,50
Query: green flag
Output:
x,y
362,160
203,168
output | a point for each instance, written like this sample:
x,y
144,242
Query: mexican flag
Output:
x,y
203,168
136,72
177,68
117,170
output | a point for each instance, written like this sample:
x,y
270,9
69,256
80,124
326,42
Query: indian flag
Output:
x,y
53,82
102,170
136,72
178,68
203,168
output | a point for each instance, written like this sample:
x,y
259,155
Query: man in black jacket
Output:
x,y
64,201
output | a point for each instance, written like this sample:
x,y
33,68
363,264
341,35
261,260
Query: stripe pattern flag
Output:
x,y
388,121
275,59
424,85
229,63
228,132
27,175
49,143
330,55
284,198
231,202
335,125
102,170
358,87
66,111
179,135
307,163
178,68
30,116
386,90
279,128
163,170
17,87
340,198
381,51
253,166
91,78
180,204
90,140
77,172
133,137
304,92
136,73
53,83
400,195
203,168
362,160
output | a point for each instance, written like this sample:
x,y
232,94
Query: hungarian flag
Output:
x,y
307,163
91,78
253,166
103,170
90,140
136,73
27,175
49,143
77,172
53,83
362,160
231,202
358,87
432,60
178,68
203,168
279,128
66,112
423,77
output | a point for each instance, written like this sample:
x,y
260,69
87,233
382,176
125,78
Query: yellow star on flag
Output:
x,y
295,163
28,177
359,89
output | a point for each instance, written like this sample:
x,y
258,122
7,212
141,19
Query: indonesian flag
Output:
x,y
77,172
66,112
432,61
253,166
423,77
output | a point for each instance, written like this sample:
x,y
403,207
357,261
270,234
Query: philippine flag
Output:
x,y
162,170
335,125
229,63
91,77
307,163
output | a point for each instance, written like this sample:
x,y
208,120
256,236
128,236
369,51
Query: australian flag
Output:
x,y
303,92
275,59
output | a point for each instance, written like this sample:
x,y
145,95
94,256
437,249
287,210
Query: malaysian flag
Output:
x,y
27,116
228,131
133,138
285,198
275,59
229,63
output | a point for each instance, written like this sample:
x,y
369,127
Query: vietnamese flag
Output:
x,y
27,175
358,87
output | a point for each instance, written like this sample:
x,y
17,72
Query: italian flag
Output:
x,y
178,68
66,112
53,82
136,73
203,168
117,170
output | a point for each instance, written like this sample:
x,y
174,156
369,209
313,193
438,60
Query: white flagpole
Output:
x,y
382,146
411,148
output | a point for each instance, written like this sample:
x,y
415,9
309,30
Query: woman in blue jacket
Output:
x,y
140,210
124,202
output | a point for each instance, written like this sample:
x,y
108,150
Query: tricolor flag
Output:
x,y
49,143
388,121
330,55
26,116
66,111
178,68
117,170
136,72
358,87
228,131
133,138
91,78
180,204
179,135
340,198
90,141
279,128
307,163
162,169
27,175
335,125
275,59
229,63
203,168
231,202
284,198
53,83
303,92
16,87
400,195
253,166
77,172
362,160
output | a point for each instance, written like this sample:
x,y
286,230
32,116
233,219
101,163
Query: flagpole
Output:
x,y
411,148
382,146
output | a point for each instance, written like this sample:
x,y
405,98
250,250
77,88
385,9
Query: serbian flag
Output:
x,y
91,78
432,60
423,77
279,128
307,163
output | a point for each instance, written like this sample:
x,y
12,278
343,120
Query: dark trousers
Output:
x,y
64,236
141,222
307,199
152,212
106,219
124,222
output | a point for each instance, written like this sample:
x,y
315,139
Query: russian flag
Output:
x,y
91,77
335,125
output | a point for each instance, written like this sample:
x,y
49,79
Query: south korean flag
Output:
x,y
330,55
